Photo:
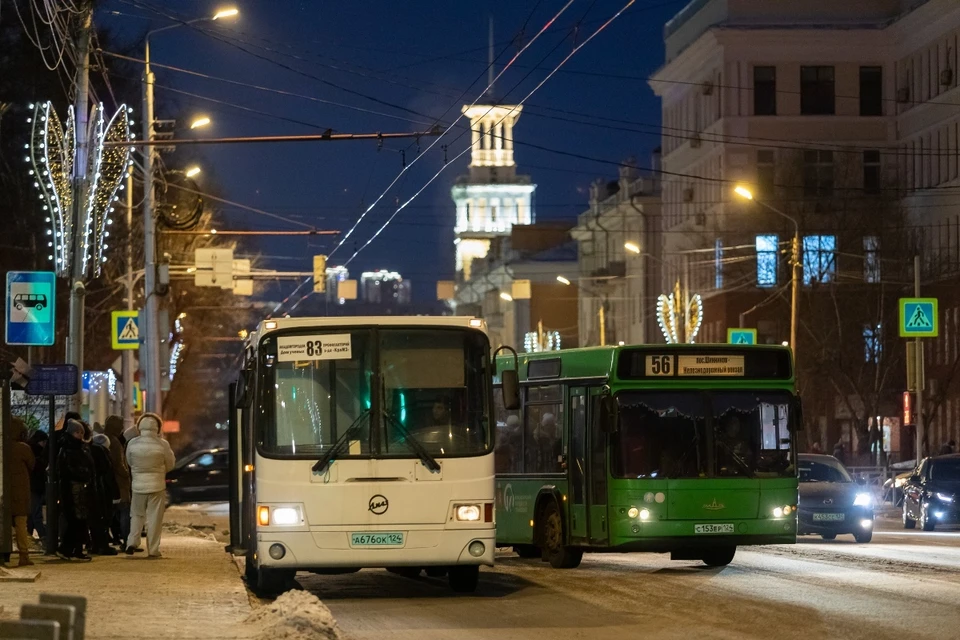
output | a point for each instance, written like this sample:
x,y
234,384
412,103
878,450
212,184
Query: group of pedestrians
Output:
x,y
111,484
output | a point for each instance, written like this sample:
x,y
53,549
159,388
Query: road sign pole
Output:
x,y
53,509
126,358
919,366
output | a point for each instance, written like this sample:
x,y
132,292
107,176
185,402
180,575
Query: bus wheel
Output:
x,y
555,552
719,556
463,578
406,572
268,582
527,550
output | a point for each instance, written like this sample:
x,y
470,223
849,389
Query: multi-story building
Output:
x,y
384,287
843,117
492,197
623,282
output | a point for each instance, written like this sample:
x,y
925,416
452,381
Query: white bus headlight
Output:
x,y
467,512
863,500
286,516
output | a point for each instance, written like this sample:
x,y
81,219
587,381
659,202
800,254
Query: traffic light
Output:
x,y
319,274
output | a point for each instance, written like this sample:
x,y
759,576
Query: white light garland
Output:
x,y
670,315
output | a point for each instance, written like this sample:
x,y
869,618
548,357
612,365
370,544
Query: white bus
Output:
x,y
363,442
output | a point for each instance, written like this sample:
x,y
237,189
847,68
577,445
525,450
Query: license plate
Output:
x,y
713,528
391,539
829,517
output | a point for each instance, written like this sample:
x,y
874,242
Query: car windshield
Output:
x,y
694,434
826,470
424,390
945,470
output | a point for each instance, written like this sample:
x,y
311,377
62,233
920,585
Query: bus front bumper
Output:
x,y
672,535
338,548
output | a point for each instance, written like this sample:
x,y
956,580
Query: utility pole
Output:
x,y
126,361
919,365
80,186
151,365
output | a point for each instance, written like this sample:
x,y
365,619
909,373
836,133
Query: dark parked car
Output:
x,y
930,494
201,476
831,503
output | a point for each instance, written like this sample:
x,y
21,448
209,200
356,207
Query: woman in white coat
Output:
x,y
150,458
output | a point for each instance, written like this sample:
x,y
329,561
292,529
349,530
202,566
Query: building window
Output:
x,y
718,264
871,259
816,91
764,91
767,252
871,171
765,172
871,91
818,173
819,259
872,343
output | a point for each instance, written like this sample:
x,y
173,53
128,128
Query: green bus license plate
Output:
x,y
376,539
829,517
713,528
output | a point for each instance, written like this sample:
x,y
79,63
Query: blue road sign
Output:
x,y
919,318
125,330
31,308
741,336
53,380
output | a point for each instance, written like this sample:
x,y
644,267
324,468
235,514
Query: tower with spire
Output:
x,y
491,198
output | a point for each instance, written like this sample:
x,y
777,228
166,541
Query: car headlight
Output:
x,y
863,500
944,497
467,512
286,516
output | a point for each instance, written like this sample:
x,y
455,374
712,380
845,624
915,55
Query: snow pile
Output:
x,y
295,615
177,529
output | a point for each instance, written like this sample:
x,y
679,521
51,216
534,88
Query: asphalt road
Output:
x,y
904,584
898,586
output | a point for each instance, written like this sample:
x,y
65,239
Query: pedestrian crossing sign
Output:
x,y
125,330
741,336
919,318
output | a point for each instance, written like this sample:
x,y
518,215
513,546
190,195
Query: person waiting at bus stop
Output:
x,y
22,467
75,467
120,526
150,458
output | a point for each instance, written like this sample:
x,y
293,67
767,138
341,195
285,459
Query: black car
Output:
x,y
831,503
201,476
930,494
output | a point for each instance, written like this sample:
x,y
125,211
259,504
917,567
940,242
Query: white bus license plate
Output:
x,y
829,517
713,528
390,539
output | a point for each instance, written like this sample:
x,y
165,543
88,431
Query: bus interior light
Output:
x,y
263,516
467,512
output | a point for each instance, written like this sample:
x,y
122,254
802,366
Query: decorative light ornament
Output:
x,y
673,315
52,152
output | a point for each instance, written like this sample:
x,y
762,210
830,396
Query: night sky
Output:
x,y
413,60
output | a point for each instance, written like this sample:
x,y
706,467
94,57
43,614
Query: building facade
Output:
x,y
838,115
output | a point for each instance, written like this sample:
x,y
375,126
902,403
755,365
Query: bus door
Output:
x,y
596,470
241,448
577,463
235,450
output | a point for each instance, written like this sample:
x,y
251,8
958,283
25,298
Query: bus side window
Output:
x,y
543,437
508,454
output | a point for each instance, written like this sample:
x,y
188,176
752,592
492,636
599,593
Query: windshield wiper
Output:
x,y
428,461
321,466
736,458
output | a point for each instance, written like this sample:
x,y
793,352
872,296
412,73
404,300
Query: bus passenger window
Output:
x,y
508,455
543,439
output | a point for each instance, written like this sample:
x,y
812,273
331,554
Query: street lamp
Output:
x,y
506,296
601,314
151,365
632,247
562,280
193,171
746,194
200,121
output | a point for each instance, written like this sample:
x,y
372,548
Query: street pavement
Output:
x,y
903,584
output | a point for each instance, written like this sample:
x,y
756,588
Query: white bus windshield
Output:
x,y
419,390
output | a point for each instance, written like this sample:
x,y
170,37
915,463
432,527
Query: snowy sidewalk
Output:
x,y
194,591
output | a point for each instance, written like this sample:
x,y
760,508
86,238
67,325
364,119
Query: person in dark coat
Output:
x,y
839,453
38,482
120,524
22,467
947,448
76,475
105,492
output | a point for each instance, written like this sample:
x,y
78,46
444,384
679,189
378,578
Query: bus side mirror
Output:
x,y
609,415
510,385
797,414
244,388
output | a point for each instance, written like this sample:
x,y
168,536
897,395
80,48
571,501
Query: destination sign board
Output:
x,y
729,361
694,365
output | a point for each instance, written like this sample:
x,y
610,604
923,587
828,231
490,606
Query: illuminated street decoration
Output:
x,y
674,316
533,344
52,150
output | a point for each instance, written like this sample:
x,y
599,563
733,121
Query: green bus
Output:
x,y
680,449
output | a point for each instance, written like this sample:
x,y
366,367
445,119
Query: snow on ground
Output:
x,y
295,615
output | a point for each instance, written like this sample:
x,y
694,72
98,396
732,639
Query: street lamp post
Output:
x,y
746,194
151,366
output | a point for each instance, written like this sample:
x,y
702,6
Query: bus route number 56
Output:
x,y
659,365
